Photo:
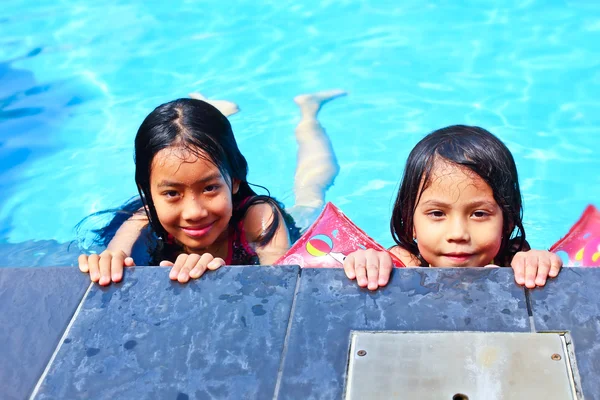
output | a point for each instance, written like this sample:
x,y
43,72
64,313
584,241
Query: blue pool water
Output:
x,y
78,77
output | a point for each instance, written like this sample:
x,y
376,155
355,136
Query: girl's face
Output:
x,y
193,200
457,222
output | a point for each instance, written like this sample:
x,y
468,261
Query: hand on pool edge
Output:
x,y
192,266
106,267
532,268
370,268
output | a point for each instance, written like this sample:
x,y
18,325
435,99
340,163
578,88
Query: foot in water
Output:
x,y
312,103
226,108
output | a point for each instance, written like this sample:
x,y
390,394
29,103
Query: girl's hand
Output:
x,y
370,268
192,266
533,267
106,267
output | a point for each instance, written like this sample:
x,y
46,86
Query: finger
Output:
x,y
518,266
166,263
82,260
93,264
542,271
200,266
385,268
105,260
349,262
190,263
531,266
555,265
360,269
129,262
372,269
116,268
216,264
179,262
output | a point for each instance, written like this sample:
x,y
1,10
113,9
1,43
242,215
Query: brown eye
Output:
x,y
211,188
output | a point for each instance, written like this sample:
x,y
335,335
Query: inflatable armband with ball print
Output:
x,y
581,246
328,241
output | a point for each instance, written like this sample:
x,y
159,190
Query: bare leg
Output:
x,y
317,166
227,108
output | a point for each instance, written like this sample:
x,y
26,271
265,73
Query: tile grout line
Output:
x,y
530,311
60,343
287,337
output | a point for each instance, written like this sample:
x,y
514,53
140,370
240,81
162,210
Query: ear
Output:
x,y
235,186
414,233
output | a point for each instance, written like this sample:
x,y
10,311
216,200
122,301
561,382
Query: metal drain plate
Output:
x,y
458,365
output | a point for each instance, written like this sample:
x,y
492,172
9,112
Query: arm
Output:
x,y
128,234
257,219
108,266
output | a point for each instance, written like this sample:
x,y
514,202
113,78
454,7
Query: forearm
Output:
x,y
128,234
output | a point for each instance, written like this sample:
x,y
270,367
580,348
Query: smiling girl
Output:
x,y
459,205
195,199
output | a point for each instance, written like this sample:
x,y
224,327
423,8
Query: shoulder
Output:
x,y
407,258
258,218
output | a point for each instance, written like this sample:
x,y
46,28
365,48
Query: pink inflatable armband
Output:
x,y
582,244
328,241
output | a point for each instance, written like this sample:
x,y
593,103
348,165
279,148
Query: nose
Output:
x,y
194,209
457,230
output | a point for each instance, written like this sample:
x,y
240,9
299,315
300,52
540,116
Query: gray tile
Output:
x,y
36,305
571,303
329,306
218,337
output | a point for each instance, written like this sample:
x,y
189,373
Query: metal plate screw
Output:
x,y
556,357
361,353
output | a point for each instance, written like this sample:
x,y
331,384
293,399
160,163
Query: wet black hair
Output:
x,y
483,153
201,129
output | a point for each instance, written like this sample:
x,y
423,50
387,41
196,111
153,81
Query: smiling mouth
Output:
x,y
458,257
195,231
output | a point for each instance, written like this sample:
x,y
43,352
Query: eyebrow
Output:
x,y
167,183
472,204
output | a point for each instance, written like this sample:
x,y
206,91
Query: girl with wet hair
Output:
x,y
196,209
459,205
